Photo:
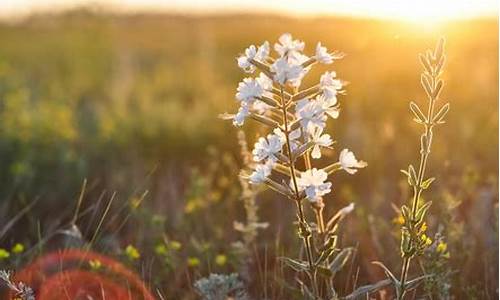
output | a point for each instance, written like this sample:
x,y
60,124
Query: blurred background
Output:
x,y
126,94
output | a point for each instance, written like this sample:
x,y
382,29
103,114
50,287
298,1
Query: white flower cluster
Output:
x,y
298,117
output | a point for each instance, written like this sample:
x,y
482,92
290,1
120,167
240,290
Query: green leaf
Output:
x,y
437,90
325,254
305,290
422,210
439,117
324,271
302,149
341,260
299,266
425,185
388,273
439,51
425,63
361,292
419,115
411,284
412,176
424,80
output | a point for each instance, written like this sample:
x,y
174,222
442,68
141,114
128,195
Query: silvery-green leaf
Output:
x,y
299,266
361,292
419,115
388,273
439,117
425,185
340,260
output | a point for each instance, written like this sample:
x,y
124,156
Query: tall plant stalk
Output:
x,y
414,239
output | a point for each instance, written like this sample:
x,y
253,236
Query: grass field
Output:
x,y
131,104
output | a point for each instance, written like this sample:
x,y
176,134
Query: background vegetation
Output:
x,y
131,104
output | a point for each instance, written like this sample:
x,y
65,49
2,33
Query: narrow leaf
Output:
x,y
277,187
264,120
338,217
425,63
298,152
340,260
305,93
299,266
439,117
426,85
389,274
361,292
437,90
419,115
425,185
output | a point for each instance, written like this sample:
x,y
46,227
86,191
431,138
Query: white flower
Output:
x,y
261,172
267,148
286,71
288,45
349,162
240,117
320,140
293,137
322,55
251,52
265,82
329,106
313,182
260,107
329,85
251,88
310,113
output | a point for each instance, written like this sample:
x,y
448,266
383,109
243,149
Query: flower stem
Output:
x,y
304,230
417,190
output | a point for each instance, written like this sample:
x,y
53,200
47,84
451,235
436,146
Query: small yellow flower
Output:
x,y
427,241
215,196
161,249
221,259
18,248
4,254
175,245
441,247
400,220
95,264
132,252
193,262
424,227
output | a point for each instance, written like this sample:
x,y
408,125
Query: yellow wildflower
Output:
x,y
161,249
95,264
221,259
193,262
4,254
400,220
17,248
132,252
174,245
441,247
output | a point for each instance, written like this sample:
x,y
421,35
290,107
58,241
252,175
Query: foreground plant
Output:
x,y
296,120
414,237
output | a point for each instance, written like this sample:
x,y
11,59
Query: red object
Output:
x,y
67,275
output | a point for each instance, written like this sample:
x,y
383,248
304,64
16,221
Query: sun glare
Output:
x,y
406,10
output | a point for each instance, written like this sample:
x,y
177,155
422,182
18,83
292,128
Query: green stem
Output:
x,y
417,190
306,236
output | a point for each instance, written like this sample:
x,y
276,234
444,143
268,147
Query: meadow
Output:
x,y
128,106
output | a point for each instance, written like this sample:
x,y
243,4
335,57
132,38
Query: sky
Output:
x,y
395,9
